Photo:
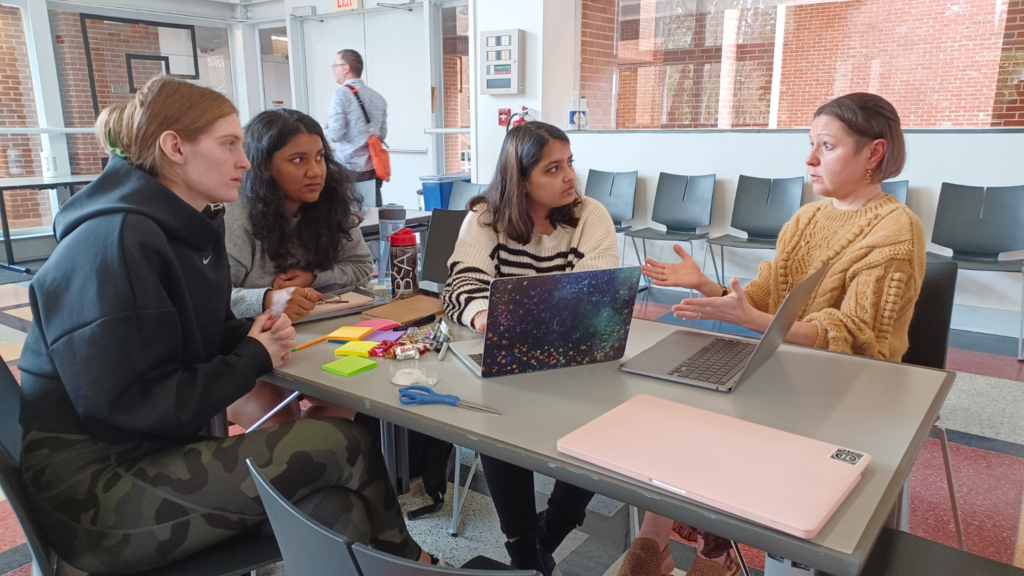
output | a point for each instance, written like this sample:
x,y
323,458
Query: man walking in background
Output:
x,y
348,127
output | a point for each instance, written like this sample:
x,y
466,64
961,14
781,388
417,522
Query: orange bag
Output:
x,y
378,153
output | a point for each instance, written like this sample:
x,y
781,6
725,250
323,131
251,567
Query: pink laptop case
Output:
x,y
781,480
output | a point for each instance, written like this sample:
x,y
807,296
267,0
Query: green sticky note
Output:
x,y
349,366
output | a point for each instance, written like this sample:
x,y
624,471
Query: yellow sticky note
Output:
x,y
356,348
349,333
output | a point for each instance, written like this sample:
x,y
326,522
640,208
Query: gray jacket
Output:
x,y
253,274
347,130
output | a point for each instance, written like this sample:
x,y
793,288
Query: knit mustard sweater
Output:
x,y
864,304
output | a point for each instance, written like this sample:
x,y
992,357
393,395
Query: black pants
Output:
x,y
369,175
512,491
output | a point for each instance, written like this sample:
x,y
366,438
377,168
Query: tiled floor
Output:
x,y
982,415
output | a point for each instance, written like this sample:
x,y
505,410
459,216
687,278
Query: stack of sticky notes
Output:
x,y
349,333
349,366
359,348
386,335
379,324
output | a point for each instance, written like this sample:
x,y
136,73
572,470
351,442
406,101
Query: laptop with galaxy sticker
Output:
x,y
550,321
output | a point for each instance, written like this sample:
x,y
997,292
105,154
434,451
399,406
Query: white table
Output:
x,y
881,408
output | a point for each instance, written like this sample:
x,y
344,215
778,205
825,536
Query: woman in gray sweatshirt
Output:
x,y
294,228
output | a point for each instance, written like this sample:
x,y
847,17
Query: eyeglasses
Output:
x,y
337,65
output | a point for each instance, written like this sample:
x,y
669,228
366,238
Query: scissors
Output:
x,y
413,395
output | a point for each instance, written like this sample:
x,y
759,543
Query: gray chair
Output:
x,y
681,204
616,191
979,224
367,189
929,342
462,193
376,563
762,208
897,189
239,555
310,549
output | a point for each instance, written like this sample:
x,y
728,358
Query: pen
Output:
x,y
310,343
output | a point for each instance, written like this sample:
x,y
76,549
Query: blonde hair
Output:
x,y
166,103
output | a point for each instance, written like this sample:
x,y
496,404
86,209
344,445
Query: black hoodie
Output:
x,y
132,335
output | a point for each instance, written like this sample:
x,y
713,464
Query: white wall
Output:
x,y
527,15
989,159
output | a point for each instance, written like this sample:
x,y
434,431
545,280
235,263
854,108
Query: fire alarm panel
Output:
x,y
502,57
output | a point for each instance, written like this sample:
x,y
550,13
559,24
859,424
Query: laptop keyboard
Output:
x,y
717,362
478,358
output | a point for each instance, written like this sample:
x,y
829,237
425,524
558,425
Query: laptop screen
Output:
x,y
442,234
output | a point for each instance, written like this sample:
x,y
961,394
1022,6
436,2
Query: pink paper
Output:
x,y
388,335
379,324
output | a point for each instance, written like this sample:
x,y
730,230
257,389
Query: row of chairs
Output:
x,y
977,223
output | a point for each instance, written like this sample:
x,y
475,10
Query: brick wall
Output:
x,y
941,64
1008,107
937,67
108,44
456,99
19,154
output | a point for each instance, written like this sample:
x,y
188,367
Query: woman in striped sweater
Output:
x,y
532,220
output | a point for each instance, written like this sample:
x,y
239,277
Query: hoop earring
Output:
x,y
867,177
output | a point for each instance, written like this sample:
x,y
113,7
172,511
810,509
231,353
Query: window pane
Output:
x,y
28,208
19,153
277,86
654,63
114,49
455,27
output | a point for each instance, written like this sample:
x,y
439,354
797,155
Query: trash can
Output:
x,y
437,190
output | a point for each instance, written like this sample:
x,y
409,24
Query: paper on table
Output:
x,y
361,349
351,300
388,335
346,333
349,366
379,324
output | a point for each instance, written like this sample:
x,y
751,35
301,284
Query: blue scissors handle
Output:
x,y
412,395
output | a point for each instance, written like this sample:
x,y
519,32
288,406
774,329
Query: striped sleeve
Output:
x,y
470,270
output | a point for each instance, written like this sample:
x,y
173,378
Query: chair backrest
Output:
x,y
462,193
897,189
683,203
10,472
615,190
929,326
442,235
376,563
980,222
368,190
308,548
764,205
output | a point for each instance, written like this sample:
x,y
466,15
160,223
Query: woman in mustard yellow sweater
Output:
x,y
863,306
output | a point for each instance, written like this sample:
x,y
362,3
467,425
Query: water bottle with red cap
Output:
x,y
403,264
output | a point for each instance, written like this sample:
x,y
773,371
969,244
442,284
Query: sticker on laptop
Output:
x,y
848,456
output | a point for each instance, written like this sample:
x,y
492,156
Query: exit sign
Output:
x,y
348,4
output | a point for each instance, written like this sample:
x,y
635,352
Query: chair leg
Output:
x,y
941,432
276,409
1020,337
725,278
690,243
739,556
453,529
644,283
714,263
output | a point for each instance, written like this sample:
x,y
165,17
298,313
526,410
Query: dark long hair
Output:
x,y
521,151
314,243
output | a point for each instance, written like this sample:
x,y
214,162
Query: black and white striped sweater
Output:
x,y
481,255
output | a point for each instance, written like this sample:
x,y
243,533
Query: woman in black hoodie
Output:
x,y
133,348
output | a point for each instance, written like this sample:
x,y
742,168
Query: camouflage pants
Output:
x,y
109,509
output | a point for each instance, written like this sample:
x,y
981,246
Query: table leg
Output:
x,y
8,247
402,459
387,445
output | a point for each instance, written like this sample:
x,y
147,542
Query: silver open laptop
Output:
x,y
718,362
553,321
